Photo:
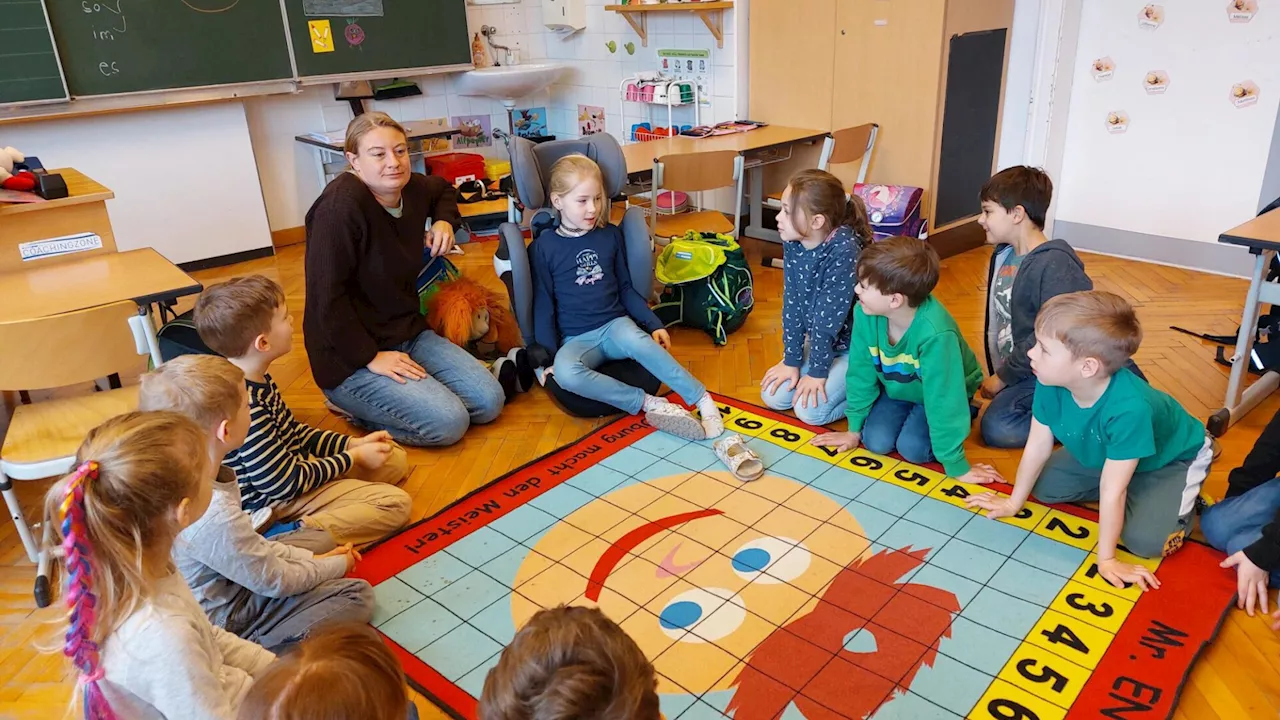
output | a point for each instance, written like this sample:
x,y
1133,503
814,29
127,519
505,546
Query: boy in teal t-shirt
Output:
x,y
911,374
1125,444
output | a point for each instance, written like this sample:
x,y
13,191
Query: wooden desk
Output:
x,y
84,210
143,276
772,144
1261,236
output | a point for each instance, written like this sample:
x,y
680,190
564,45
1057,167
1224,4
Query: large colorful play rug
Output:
x,y
847,585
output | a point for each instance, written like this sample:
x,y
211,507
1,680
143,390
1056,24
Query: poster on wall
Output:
x,y
529,122
1104,68
692,65
1117,121
590,119
1244,94
1155,82
1151,17
1241,11
473,131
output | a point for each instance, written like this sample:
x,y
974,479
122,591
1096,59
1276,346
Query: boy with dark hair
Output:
x,y
1026,270
911,374
1129,447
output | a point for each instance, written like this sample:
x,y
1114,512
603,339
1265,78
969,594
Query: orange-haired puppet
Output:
x,y
478,320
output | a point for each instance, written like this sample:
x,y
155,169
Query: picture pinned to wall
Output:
x,y
1117,121
436,144
686,64
342,8
590,119
1104,68
1241,11
1151,16
1155,82
529,122
1244,94
473,131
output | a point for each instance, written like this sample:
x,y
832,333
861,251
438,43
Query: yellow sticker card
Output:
x,y
321,36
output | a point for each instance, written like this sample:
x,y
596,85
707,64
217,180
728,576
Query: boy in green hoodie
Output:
x,y
911,374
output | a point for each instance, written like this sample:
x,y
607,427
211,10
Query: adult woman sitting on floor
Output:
x,y
370,349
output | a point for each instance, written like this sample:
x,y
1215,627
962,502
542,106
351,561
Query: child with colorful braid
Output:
x,y
141,645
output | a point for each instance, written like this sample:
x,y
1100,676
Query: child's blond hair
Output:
x,y
568,663
1092,323
206,388
111,515
229,316
340,672
571,170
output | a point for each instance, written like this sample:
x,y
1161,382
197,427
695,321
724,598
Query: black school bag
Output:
x,y
178,336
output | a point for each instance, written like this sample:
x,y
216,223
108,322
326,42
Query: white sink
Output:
x,y
507,83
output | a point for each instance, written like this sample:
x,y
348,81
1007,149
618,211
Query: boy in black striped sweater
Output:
x,y
306,476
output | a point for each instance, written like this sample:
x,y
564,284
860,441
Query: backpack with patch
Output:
x,y
893,210
708,284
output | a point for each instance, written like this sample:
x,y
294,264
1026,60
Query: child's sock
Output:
x,y
711,421
652,402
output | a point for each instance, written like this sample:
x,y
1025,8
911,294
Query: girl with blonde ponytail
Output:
x,y
141,645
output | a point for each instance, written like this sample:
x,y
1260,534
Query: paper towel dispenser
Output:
x,y
564,16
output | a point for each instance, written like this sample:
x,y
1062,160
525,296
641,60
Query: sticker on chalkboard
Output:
x,y
1155,82
1117,121
1241,11
1244,94
1151,16
1104,68
64,245
342,8
321,36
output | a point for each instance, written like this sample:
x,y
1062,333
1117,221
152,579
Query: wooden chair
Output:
x,y
43,437
691,173
844,146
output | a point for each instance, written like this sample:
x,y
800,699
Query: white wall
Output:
x,y
1190,164
184,179
1018,83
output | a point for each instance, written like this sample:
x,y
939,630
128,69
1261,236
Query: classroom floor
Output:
x,y
1237,677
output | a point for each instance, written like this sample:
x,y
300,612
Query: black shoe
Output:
x,y
524,368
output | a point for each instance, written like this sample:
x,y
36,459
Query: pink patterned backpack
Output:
x,y
893,210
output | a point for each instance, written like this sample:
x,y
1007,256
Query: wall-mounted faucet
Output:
x,y
510,57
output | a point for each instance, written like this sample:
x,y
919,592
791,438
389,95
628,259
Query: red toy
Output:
x,y
23,180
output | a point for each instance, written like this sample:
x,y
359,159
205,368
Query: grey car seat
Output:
x,y
531,175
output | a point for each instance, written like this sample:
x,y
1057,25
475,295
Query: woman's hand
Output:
x,y
663,338
396,365
440,238
780,377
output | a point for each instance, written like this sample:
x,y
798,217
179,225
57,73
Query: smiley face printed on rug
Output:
x,y
732,587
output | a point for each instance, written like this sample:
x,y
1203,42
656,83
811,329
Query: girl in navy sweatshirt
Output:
x,y
586,312
823,231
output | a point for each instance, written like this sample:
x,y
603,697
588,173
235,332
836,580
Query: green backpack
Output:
x,y
708,284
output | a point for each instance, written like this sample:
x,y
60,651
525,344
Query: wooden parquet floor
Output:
x,y
1237,678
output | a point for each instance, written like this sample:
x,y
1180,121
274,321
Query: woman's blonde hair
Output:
x,y
114,510
569,171
365,123
340,672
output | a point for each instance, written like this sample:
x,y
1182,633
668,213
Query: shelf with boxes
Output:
x,y
653,89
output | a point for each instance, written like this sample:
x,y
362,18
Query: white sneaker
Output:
x,y
673,419
741,460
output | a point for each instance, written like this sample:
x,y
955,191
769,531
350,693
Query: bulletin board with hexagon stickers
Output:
x,y
838,585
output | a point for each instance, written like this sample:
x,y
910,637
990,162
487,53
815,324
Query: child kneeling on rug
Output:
x,y
341,672
586,312
1126,445
911,373
568,663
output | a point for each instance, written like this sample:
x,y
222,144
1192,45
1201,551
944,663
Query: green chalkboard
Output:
x,y
29,69
336,37
120,46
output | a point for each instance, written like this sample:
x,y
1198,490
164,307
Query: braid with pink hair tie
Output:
x,y
80,599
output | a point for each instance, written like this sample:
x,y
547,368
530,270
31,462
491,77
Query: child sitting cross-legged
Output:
x,y
341,672
269,592
586,312
308,477
141,645
911,373
1128,446
570,663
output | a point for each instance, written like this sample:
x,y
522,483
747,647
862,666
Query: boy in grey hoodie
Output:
x,y
271,593
1027,269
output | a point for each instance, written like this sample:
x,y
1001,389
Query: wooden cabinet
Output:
x,y
832,64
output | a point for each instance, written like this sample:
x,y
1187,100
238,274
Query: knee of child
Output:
x,y
363,596
1216,527
1142,542
397,504
491,404
998,432
810,415
876,441
915,450
779,399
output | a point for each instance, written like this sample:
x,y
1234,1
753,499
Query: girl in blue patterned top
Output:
x,y
823,230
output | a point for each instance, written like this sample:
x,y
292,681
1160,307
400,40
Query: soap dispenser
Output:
x,y
479,57
564,16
